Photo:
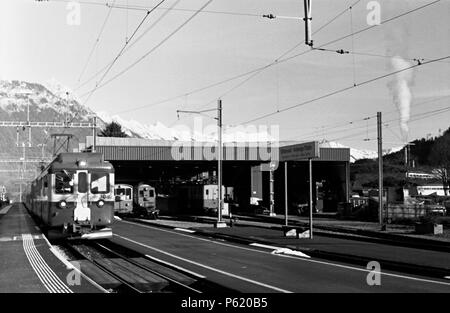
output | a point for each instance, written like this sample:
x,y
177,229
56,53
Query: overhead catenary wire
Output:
x,y
274,62
91,92
253,73
171,34
280,60
153,49
327,95
95,45
326,129
132,44
414,118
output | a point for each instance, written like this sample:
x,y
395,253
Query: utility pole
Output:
x,y
219,223
310,199
271,191
307,19
286,193
380,172
94,133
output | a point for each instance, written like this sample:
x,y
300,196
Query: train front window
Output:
x,y
82,182
63,182
99,182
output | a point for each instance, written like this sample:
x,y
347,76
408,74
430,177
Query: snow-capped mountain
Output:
x,y
357,154
52,101
204,133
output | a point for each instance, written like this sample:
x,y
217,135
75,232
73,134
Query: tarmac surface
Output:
x,y
336,246
257,268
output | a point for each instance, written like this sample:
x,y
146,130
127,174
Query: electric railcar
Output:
x,y
74,196
123,194
145,200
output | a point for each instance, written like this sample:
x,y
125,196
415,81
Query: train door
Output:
x,y
82,212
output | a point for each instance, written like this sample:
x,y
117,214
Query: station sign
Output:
x,y
300,152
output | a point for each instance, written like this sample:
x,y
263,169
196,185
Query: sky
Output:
x,y
230,38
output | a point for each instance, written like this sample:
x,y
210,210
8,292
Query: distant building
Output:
x,y
429,189
421,175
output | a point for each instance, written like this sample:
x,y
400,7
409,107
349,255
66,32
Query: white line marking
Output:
x,y
208,267
197,238
366,270
283,251
37,228
185,230
292,257
47,276
56,281
69,265
255,244
175,266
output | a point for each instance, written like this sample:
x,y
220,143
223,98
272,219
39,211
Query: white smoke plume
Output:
x,y
401,92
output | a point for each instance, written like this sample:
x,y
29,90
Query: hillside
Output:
x,y
424,155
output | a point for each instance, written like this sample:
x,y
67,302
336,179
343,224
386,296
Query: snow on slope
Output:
x,y
357,154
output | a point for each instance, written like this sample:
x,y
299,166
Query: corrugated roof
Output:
x,y
135,149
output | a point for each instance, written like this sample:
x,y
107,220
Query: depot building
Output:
x,y
255,175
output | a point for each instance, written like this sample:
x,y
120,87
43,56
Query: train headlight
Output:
x,y
82,163
100,203
62,204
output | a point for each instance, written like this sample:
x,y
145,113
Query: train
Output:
x,y
138,200
123,199
204,198
4,199
144,199
73,197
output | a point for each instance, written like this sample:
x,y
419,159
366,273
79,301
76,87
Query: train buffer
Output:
x,y
295,231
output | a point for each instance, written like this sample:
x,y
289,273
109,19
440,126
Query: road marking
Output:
x,y
255,244
368,271
71,266
197,238
37,228
175,266
287,251
206,266
46,275
185,230
292,257
18,238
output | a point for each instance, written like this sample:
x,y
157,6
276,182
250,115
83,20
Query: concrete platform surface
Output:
x,y
27,263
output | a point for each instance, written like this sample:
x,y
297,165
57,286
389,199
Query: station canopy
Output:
x,y
137,149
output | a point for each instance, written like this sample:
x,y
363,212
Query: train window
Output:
x,y
152,193
99,182
82,182
63,182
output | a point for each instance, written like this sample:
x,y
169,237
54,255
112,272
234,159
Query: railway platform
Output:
x,y
27,261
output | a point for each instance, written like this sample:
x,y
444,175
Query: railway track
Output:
x,y
119,269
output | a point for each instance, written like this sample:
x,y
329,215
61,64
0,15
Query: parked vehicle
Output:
x,y
123,199
145,201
